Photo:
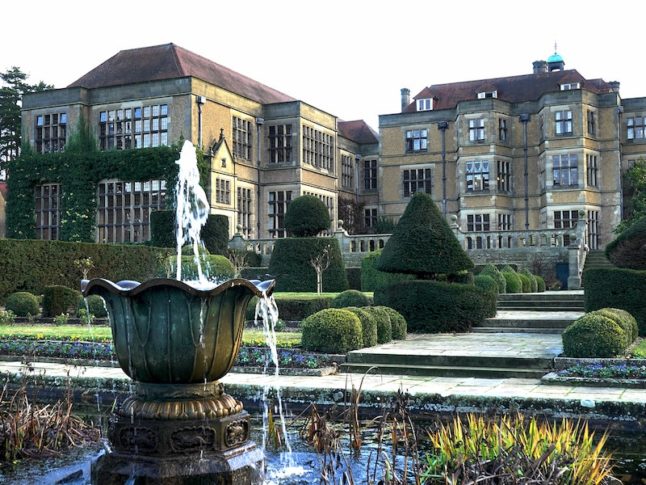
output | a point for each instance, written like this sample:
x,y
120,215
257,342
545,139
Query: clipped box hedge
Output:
x,y
31,265
291,308
617,288
433,307
59,299
333,330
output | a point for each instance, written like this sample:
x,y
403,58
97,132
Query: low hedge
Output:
x,y
431,306
513,283
59,299
617,288
22,304
493,272
368,325
290,263
594,336
488,284
372,278
526,282
31,265
95,304
384,326
533,284
540,283
333,330
350,298
397,322
293,309
214,266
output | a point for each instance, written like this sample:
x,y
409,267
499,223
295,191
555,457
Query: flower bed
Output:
x,y
629,373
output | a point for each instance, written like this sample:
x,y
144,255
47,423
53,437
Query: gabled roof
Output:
x,y
169,61
514,89
358,131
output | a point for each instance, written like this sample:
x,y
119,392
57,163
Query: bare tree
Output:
x,y
238,259
320,263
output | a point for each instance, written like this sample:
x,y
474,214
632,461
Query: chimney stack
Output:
x,y
614,86
405,92
539,66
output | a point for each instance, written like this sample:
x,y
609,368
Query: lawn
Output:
x,y
97,333
639,350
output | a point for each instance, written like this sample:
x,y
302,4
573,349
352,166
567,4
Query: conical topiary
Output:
x,y
423,243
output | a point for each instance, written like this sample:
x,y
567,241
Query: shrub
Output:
x,y
508,267
368,326
488,284
432,306
628,250
215,234
624,319
214,266
372,278
422,243
306,216
350,298
95,304
397,322
22,304
513,283
333,330
384,326
61,319
59,299
354,278
499,279
540,283
7,317
526,283
594,335
162,229
31,265
290,262
463,277
617,288
532,280
291,308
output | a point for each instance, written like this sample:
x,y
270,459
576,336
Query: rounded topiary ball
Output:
x,y
486,282
58,299
513,283
493,272
306,216
332,330
350,298
594,335
368,326
624,319
397,323
22,304
384,326
540,283
95,304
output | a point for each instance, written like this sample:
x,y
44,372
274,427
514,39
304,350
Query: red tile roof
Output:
x,y
358,131
169,61
513,89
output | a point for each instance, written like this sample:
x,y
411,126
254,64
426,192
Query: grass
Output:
x,y
639,350
104,334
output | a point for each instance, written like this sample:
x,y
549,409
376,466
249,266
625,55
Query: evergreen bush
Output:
x,y
372,278
384,326
333,330
513,283
624,319
526,283
354,278
215,234
540,283
22,304
594,336
628,250
432,306
423,244
368,326
162,229
254,272
493,272
617,288
397,322
489,285
290,262
59,299
95,305
293,309
214,266
350,298
306,216
532,281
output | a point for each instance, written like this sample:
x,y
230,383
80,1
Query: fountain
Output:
x,y
176,339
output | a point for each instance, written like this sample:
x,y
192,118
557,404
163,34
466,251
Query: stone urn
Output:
x,y
175,341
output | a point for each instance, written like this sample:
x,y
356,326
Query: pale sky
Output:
x,y
347,57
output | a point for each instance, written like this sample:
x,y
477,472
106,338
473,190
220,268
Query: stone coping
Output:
x,y
561,363
554,379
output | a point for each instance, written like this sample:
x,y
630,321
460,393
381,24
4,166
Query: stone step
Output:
x,y
522,323
443,360
443,371
540,305
546,330
524,308
543,297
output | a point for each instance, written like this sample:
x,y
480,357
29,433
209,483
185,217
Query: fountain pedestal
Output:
x,y
180,433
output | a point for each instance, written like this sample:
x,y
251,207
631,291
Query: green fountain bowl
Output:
x,y
167,331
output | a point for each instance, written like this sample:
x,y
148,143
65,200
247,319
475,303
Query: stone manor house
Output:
x,y
535,151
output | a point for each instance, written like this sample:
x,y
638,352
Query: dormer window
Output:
x,y
487,94
425,104
570,86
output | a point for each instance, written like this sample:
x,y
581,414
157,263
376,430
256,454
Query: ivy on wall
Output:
x,y
78,170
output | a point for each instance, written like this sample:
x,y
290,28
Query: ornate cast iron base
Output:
x,y
172,433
